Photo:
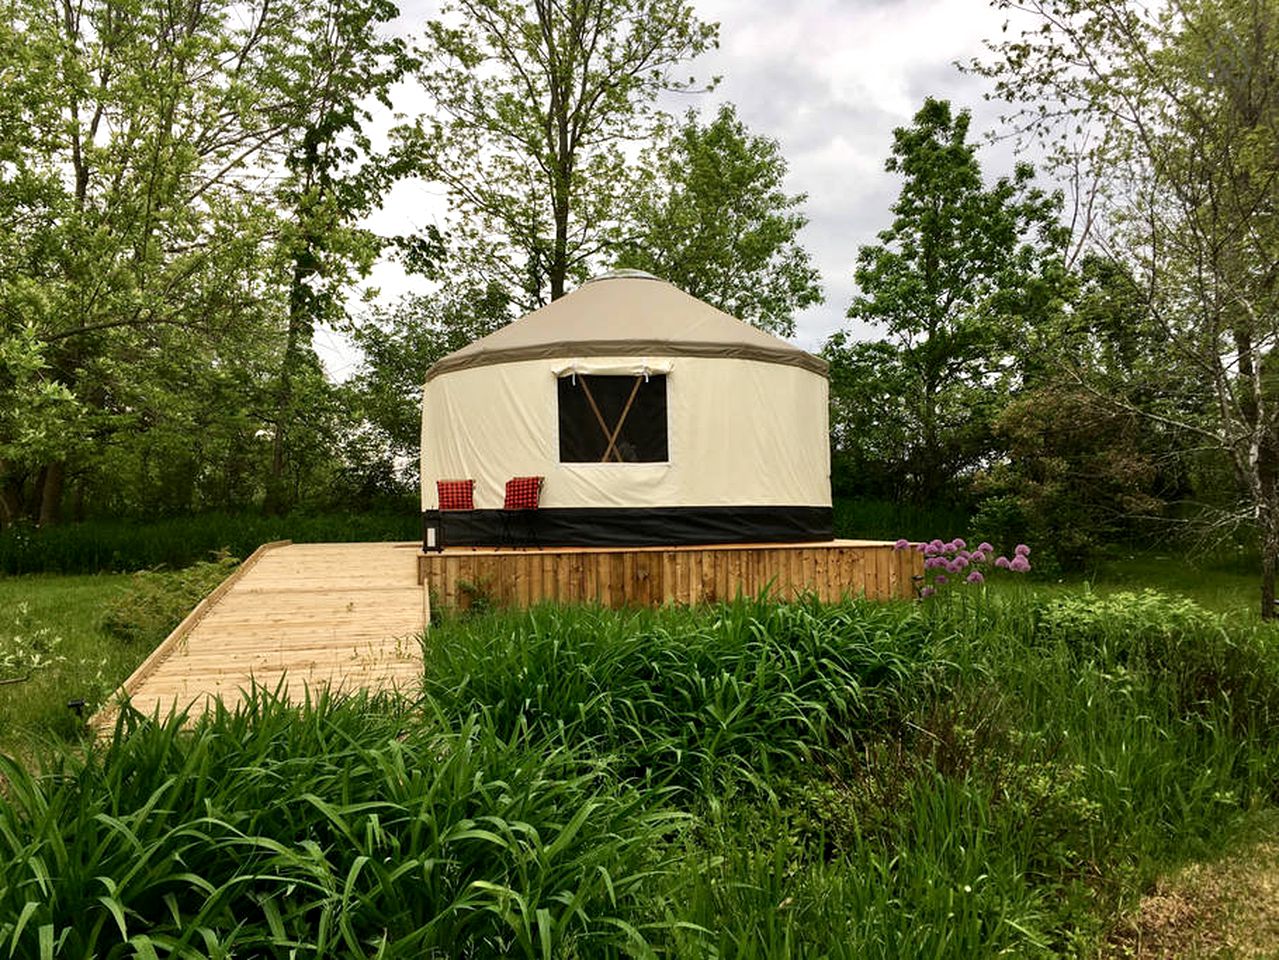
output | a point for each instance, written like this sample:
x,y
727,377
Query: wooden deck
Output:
x,y
626,576
342,615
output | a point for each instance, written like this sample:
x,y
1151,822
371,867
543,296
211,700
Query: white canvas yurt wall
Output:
x,y
746,443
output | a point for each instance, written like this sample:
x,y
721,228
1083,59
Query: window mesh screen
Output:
x,y
612,419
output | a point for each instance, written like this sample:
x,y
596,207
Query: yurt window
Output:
x,y
605,419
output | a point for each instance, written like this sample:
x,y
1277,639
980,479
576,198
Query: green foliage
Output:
x,y
530,146
344,826
400,344
26,646
866,519
718,224
61,618
1173,111
124,545
157,600
956,282
745,780
715,701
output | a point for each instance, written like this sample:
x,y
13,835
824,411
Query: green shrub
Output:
x,y
345,827
158,600
127,545
735,693
996,777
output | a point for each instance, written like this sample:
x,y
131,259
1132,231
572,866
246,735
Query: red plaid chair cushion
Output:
x,y
522,493
456,494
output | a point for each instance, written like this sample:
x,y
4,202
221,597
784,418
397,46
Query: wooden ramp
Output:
x,y
347,616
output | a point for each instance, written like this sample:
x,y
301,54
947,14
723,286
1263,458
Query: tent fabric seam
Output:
x,y
554,350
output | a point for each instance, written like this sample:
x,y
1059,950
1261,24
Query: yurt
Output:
x,y
626,413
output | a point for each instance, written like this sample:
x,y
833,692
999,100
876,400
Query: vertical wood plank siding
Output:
x,y
654,575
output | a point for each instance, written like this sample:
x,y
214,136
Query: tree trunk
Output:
x,y
298,338
10,497
51,494
1267,583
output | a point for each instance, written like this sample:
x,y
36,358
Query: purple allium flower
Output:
x,y
930,550
937,545
959,544
927,592
934,562
1002,563
964,555
921,547
940,578
961,561
977,556
1019,564
1022,550
901,544
976,577
985,547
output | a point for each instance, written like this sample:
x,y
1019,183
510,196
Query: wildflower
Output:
x,y
940,578
977,556
927,592
985,547
938,545
976,577
1002,563
901,544
959,544
930,550
1022,550
961,561
1019,564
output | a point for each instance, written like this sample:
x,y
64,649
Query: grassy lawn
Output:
x,y
87,663
1226,589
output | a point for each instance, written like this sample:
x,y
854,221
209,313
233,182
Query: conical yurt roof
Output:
x,y
627,313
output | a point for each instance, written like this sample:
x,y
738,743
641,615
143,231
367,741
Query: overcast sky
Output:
x,y
829,79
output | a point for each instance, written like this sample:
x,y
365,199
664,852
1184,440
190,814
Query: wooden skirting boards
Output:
x,y
619,577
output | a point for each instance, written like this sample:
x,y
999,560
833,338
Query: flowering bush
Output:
x,y
953,563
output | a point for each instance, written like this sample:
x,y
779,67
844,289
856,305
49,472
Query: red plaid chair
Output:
x,y
523,493
456,494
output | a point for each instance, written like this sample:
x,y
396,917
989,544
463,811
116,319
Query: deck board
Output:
x,y
298,616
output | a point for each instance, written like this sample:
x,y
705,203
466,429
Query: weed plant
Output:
x,y
996,776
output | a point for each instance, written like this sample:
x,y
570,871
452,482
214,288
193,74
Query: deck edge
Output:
x,y
111,705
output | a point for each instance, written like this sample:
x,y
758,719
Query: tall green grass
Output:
x,y
344,828
993,775
127,545
888,520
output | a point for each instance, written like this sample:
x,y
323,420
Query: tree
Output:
x,y
334,177
399,344
127,236
534,101
956,281
721,227
1076,470
1174,111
